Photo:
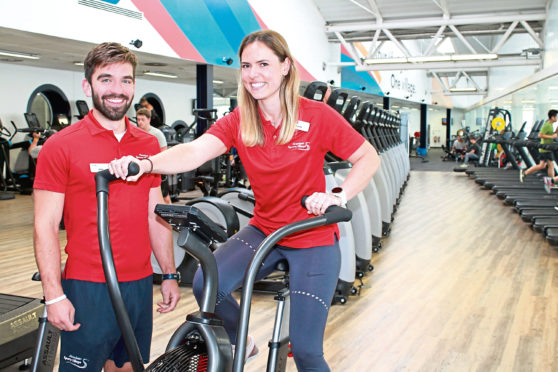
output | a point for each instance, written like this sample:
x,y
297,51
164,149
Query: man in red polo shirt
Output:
x,y
79,304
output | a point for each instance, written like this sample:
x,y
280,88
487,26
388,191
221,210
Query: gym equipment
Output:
x,y
243,202
202,341
46,344
221,213
82,108
20,178
347,271
18,328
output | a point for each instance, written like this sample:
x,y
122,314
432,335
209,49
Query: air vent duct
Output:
x,y
101,5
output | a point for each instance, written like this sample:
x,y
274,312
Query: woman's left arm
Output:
x,y
365,162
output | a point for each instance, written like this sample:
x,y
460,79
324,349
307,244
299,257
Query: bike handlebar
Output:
x,y
103,178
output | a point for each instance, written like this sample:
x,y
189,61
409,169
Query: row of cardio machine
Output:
x,y
373,209
529,198
18,175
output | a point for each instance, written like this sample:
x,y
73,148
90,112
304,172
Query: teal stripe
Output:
x,y
198,24
243,13
358,80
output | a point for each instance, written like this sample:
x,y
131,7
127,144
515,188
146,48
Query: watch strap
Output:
x,y
174,276
340,193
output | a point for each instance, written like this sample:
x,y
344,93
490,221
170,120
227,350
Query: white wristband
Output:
x,y
55,300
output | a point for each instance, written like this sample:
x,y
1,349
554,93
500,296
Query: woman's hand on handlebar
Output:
x,y
119,168
318,202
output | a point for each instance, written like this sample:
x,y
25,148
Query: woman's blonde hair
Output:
x,y
250,121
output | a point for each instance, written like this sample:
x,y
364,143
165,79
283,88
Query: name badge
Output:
x,y
302,125
97,167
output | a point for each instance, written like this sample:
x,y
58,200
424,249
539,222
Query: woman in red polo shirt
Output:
x,y
282,140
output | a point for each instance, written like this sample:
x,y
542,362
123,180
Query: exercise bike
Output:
x,y
201,343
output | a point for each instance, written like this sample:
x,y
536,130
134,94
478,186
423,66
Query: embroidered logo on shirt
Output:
x,y
300,146
76,361
142,156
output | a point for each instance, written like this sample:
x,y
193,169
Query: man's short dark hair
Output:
x,y
145,112
552,113
105,54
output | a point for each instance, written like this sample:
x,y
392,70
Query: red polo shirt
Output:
x,y
281,175
65,166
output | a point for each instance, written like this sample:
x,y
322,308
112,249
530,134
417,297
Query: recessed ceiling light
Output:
x,y
19,54
155,64
160,74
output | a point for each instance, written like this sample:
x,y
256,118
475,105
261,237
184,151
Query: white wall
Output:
x,y
302,25
414,121
411,85
70,20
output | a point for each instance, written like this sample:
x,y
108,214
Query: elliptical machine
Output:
x,y
201,342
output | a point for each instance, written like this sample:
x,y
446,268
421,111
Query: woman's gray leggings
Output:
x,y
313,274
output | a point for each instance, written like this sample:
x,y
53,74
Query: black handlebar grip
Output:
x,y
103,178
333,213
246,197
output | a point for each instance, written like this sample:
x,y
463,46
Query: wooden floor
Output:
x,y
461,285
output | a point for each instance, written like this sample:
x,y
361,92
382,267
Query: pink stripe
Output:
x,y
163,23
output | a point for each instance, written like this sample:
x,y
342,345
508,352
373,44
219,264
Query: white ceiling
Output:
x,y
473,26
346,20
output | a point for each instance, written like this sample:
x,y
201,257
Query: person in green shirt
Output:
x,y
546,157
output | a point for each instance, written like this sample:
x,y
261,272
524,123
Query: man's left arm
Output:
x,y
160,236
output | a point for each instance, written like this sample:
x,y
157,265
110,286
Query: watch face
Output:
x,y
336,190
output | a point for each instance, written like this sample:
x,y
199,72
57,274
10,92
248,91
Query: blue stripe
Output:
x,y
358,80
227,22
196,22
247,19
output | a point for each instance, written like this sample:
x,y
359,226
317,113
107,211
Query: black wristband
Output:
x,y
174,276
150,162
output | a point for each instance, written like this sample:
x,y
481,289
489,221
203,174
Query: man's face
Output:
x,y
143,122
112,89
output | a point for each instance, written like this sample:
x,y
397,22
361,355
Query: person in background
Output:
x,y
155,119
458,148
34,148
473,152
143,117
79,303
282,140
547,135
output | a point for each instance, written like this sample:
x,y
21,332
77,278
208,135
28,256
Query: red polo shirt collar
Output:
x,y
97,128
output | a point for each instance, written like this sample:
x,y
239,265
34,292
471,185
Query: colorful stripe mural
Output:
x,y
357,80
206,31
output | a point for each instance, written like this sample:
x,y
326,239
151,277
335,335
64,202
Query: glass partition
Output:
x,y
526,105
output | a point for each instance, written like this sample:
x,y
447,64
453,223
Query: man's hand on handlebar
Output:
x,y
318,202
119,168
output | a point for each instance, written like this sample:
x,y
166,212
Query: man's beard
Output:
x,y
111,113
